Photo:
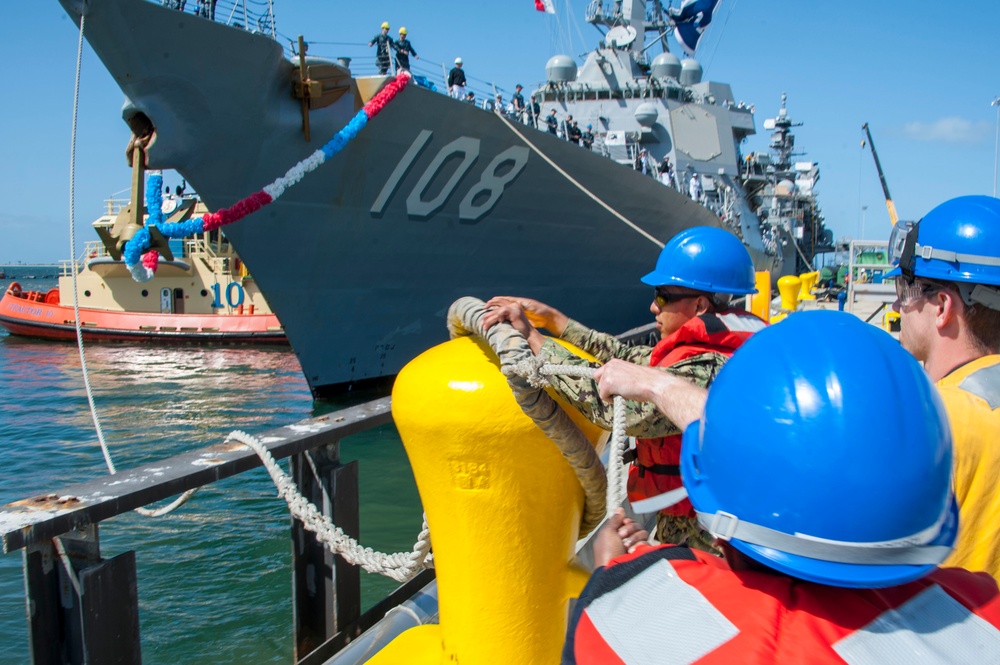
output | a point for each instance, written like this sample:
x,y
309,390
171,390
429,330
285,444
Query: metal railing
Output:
x,y
85,607
256,16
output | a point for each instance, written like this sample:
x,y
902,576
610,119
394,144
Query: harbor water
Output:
x,y
214,578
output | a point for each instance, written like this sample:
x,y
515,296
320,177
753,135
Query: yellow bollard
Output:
x,y
808,281
503,507
788,287
760,302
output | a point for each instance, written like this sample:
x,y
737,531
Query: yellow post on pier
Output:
x,y
808,281
503,507
788,287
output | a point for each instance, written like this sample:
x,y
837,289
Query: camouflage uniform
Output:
x,y
642,419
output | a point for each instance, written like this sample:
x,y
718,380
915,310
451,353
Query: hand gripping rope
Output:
x,y
603,491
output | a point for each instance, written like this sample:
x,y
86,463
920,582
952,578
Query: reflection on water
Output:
x,y
214,583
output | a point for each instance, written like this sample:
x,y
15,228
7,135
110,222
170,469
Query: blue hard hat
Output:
x,y
958,241
704,258
793,464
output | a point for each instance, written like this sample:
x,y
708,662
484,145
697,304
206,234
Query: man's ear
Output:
x,y
704,305
948,306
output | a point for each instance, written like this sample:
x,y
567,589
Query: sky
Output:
x,y
920,73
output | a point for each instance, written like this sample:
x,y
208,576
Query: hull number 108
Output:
x,y
478,200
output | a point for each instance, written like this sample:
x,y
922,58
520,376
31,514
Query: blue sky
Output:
x,y
921,75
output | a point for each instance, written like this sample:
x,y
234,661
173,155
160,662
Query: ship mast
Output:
x,y
621,24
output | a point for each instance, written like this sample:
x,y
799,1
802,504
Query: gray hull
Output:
x,y
361,259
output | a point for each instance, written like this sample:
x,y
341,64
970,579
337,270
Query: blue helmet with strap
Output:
x,y
705,258
804,479
958,241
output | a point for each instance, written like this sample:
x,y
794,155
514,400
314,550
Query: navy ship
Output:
x,y
436,198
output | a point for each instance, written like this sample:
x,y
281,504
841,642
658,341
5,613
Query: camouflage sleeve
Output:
x,y
642,419
603,346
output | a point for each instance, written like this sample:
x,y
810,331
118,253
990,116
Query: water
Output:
x,y
214,579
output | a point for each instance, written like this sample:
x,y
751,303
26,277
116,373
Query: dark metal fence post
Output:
x,y
90,616
326,589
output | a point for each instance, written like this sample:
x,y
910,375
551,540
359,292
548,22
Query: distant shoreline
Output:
x,y
12,272
29,265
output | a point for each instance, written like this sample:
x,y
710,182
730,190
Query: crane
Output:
x,y
893,217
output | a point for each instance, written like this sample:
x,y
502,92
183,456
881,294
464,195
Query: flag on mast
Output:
x,y
691,20
545,6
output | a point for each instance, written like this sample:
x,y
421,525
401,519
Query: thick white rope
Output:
x,y
182,499
465,317
535,372
400,566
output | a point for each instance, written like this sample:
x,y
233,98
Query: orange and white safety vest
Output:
x,y
656,468
672,604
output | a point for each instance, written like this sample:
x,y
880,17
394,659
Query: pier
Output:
x,y
83,608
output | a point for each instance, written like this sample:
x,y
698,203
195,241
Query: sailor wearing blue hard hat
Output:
x,y
696,275
832,538
947,279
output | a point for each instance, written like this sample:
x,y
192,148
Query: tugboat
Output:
x,y
433,198
203,294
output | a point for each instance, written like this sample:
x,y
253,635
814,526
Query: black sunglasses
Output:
x,y
664,298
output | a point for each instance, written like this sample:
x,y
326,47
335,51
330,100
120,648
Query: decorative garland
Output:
x,y
142,261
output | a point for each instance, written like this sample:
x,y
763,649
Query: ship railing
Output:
x,y
92,249
360,59
256,16
88,605
115,205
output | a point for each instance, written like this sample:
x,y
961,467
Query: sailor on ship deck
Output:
x,y
384,43
456,80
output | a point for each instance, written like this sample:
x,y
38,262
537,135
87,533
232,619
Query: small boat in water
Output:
x,y
203,294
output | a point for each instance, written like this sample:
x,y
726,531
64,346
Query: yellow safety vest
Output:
x,y
971,397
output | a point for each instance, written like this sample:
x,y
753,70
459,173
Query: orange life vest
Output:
x,y
680,605
656,470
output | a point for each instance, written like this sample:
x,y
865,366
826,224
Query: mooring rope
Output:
x,y
182,499
400,566
603,490
142,262
536,373
635,227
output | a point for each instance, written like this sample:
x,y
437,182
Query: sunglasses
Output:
x,y
910,291
664,298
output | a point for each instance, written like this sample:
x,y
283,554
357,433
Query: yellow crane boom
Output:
x,y
893,217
